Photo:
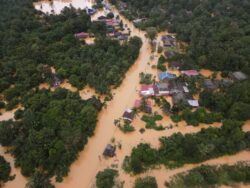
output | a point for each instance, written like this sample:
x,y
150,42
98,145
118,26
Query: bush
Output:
x,y
106,178
146,182
4,170
126,128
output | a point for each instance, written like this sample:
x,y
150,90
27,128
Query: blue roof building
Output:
x,y
166,75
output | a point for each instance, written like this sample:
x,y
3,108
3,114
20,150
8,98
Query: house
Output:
x,y
169,54
168,40
193,103
210,84
128,115
122,37
179,98
185,89
176,86
226,82
175,65
147,90
90,11
83,35
109,151
56,81
190,73
102,18
162,89
138,20
147,108
166,76
238,76
112,22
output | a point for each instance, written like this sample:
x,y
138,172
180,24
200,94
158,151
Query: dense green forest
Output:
x,y
50,128
4,170
180,149
212,176
218,32
31,43
232,102
50,131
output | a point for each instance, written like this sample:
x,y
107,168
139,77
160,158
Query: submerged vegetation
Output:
x,y
146,182
32,42
51,127
51,130
180,149
4,170
106,178
211,176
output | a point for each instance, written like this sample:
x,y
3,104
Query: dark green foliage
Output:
x,y
209,176
217,32
126,127
146,78
163,104
200,116
146,182
142,157
207,144
2,104
234,102
151,121
31,43
179,149
52,129
105,179
160,64
175,118
39,180
4,170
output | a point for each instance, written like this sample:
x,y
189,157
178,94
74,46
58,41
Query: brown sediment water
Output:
x,y
87,93
83,171
44,86
68,86
56,6
209,73
20,180
164,174
7,115
90,41
246,126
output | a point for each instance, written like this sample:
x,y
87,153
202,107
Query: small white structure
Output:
x,y
193,103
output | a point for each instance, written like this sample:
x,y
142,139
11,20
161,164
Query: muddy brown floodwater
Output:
x,y
56,6
82,172
19,180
